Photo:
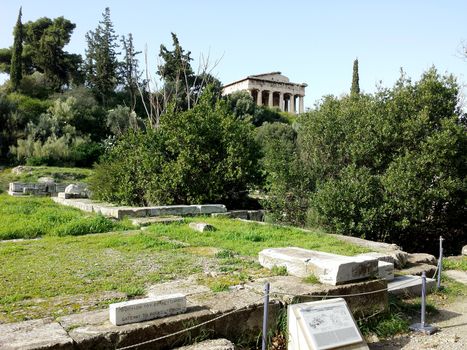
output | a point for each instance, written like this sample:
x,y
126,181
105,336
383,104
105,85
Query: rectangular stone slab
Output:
x,y
410,285
328,268
146,309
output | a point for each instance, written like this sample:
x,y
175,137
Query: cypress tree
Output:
x,y
101,59
355,89
16,67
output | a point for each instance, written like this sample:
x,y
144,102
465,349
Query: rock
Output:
x,y
409,285
418,269
385,270
464,250
422,258
146,221
46,180
459,276
328,268
201,226
400,258
77,191
34,334
216,344
20,169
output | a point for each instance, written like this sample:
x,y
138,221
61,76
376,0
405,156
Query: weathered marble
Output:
x,y
328,268
201,226
34,334
140,310
410,285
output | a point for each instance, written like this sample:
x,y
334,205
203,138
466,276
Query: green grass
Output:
x,y
58,275
403,312
455,263
248,239
68,274
32,217
59,174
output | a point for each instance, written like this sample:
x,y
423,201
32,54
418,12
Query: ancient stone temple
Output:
x,y
271,89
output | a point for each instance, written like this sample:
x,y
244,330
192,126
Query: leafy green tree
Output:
x,y
389,166
130,70
101,59
287,198
45,40
242,105
181,85
355,89
201,155
16,68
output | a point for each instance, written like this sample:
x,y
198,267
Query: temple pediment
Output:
x,y
271,89
274,76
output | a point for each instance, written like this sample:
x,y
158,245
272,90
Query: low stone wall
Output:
x,y
242,323
37,189
117,212
253,215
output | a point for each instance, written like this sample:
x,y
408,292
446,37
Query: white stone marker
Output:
x,y
328,268
147,309
326,324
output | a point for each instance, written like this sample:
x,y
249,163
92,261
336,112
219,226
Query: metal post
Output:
x,y
422,326
265,316
422,321
440,262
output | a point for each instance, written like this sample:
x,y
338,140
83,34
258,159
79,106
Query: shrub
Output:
x,y
389,166
286,193
196,156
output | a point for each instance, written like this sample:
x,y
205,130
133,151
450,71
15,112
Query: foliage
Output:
x,y
355,88
101,59
129,69
44,44
389,166
197,156
242,105
59,136
182,86
121,119
286,194
16,68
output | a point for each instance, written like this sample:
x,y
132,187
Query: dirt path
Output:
x,y
452,334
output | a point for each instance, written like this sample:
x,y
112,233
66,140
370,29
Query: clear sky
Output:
x,y
314,42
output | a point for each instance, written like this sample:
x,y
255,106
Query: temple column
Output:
x,y
270,99
292,104
281,101
259,98
300,108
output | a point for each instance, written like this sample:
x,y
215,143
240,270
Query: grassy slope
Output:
x,y
31,217
455,263
59,174
38,274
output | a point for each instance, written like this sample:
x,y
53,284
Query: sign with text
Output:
x,y
322,325
146,309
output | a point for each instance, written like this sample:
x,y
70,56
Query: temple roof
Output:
x,y
272,77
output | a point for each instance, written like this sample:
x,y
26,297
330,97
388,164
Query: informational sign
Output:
x,y
323,325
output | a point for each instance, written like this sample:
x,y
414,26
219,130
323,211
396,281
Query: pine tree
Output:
x,y
355,89
129,69
16,68
101,59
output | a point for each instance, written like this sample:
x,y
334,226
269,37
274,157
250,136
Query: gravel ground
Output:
x,y
452,335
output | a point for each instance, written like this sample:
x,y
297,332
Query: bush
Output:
x,y
286,194
389,166
197,156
